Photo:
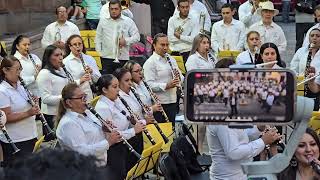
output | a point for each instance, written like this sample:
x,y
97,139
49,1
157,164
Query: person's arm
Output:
x,y
214,39
244,15
207,24
191,63
95,70
27,77
194,32
46,87
46,38
294,64
150,75
171,37
282,41
134,35
99,34
314,85
242,37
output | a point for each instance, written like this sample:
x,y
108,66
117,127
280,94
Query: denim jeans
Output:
x,y
92,23
285,11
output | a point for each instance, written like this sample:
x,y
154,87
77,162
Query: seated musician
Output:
x,y
252,53
78,129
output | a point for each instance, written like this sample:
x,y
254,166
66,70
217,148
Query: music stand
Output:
x,y
148,161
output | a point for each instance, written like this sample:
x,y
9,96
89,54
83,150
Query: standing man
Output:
x,y
158,75
316,15
248,12
115,34
182,28
161,11
93,12
228,34
58,32
268,30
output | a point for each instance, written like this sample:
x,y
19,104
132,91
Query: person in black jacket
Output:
x,y
161,11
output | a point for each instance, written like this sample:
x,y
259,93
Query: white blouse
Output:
x,y
299,61
143,93
50,87
245,57
16,99
196,61
83,133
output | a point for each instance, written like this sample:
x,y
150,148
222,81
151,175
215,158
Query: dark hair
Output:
x,y
180,1
129,65
53,164
3,53
120,72
7,62
115,2
104,82
290,171
66,93
156,39
252,32
273,46
197,41
58,8
46,62
227,5
68,44
16,42
314,29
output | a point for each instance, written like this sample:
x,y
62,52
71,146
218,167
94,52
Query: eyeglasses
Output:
x,y
83,98
77,44
16,69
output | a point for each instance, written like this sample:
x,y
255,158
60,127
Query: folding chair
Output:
x,y
179,60
88,37
96,56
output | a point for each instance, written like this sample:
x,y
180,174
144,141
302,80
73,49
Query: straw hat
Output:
x,y
268,5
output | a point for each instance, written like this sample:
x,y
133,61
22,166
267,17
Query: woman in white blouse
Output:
x,y
78,129
199,55
51,79
82,75
110,108
269,52
20,125
30,63
250,56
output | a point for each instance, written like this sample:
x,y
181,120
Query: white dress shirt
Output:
x,y
158,73
196,8
83,134
133,104
16,99
246,16
50,87
28,72
245,57
228,149
55,32
306,38
299,61
108,33
196,61
143,93
74,66
230,36
190,30
115,112
104,12
272,33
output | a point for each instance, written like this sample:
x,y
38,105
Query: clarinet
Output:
x,y
108,129
50,133
315,167
210,56
69,76
306,73
174,72
13,146
92,86
156,100
33,62
147,110
136,119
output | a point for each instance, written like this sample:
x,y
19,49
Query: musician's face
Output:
x,y
162,45
253,40
77,102
23,46
115,11
126,82
267,15
317,15
76,46
227,14
269,54
56,58
62,15
113,90
314,37
136,73
184,8
12,73
307,149
204,45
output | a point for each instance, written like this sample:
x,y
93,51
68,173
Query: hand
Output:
x,y
59,44
35,99
177,34
311,71
84,78
156,107
33,111
173,83
3,119
113,137
270,136
149,118
139,127
253,9
122,42
88,70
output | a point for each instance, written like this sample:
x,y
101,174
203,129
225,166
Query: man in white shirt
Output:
x,y
182,28
317,16
228,34
58,32
104,12
158,75
268,30
248,12
115,34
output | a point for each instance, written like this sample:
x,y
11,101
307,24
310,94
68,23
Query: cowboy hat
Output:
x,y
267,5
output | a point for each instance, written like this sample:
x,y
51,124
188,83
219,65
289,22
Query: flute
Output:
x,y
136,119
13,146
174,72
92,86
107,128
147,110
155,99
50,133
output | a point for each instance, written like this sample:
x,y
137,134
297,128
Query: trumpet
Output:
x,y
4,132
69,76
148,111
135,119
119,34
179,29
92,86
50,133
202,20
156,100
175,74
108,128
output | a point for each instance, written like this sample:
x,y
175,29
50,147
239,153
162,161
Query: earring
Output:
x,y
293,162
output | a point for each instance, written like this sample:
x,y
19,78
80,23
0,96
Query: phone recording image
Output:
x,y
241,96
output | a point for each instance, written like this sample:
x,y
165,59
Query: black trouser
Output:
x,y
49,119
108,66
26,148
159,26
310,94
301,30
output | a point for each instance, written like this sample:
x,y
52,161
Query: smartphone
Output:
x,y
247,96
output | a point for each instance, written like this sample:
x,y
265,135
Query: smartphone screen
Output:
x,y
240,96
